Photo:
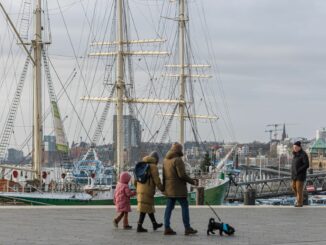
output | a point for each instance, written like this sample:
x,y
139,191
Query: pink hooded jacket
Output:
x,y
122,193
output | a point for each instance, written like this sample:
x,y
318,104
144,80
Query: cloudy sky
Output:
x,y
270,56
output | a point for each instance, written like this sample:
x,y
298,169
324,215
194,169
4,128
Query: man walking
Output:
x,y
300,164
175,181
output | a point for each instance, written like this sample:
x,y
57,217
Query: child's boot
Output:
x,y
115,223
126,225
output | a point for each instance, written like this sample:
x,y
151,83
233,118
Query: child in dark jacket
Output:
x,y
122,196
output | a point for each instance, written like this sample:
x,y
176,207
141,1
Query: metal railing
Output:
x,y
272,187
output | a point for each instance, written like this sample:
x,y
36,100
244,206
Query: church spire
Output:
x,y
284,133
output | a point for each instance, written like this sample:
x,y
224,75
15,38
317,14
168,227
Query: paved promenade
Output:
x,y
93,225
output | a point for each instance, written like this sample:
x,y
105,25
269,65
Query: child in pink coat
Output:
x,y
122,196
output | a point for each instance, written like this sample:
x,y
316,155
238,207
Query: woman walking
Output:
x,y
146,192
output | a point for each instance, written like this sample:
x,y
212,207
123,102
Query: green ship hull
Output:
x,y
214,196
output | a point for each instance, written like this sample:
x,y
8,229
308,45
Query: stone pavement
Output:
x,y
93,225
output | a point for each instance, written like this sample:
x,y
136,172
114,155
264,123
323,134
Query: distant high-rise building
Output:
x,y
132,139
50,151
15,156
49,143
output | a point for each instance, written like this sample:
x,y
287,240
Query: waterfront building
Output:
x,y
317,154
243,150
78,150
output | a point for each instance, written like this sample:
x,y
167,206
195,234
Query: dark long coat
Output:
x,y
300,164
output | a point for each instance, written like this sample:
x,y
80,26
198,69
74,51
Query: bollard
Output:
x,y
305,198
249,197
200,195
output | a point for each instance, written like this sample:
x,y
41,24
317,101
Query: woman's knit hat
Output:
x,y
155,155
298,143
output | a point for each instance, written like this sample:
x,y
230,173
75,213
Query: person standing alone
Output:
x,y
300,164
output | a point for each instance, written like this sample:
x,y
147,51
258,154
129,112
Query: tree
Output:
x,y
206,162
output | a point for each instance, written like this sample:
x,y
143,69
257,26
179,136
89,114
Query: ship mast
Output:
x,y
120,86
37,93
182,77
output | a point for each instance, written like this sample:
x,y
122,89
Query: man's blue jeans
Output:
x,y
185,211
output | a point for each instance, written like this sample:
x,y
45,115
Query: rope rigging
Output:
x,y
81,73
10,120
108,63
71,77
91,120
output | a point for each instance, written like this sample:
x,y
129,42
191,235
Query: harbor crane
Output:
x,y
274,128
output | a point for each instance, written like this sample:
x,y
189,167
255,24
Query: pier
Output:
x,y
93,225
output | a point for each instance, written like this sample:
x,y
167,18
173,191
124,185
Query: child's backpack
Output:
x,y
141,172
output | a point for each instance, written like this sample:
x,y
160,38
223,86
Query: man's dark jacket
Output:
x,y
300,164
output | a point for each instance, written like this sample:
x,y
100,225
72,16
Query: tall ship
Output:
x,y
168,102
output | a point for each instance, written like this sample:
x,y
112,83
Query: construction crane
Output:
x,y
270,131
275,127
274,130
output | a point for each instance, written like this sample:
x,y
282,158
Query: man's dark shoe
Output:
x,y
156,226
141,229
190,231
127,227
169,232
298,206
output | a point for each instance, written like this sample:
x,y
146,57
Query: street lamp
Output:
x,y
259,166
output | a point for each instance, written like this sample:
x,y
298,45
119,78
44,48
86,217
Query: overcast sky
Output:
x,y
270,55
272,61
